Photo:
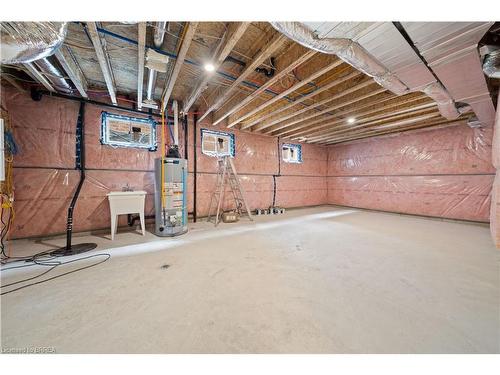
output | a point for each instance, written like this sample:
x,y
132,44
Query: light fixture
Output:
x,y
209,67
351,120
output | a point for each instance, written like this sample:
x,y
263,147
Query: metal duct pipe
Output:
x,y
176,122
400,73
151,84
491,64
53,75
159,36
25,42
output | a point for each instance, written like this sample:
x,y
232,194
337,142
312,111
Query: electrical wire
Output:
x,y
52,265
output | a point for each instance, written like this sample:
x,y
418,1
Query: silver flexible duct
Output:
x,y
53,75
355,55
159,36
491,65
25,42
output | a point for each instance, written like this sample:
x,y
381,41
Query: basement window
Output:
x,y
291,153
217,144
125,131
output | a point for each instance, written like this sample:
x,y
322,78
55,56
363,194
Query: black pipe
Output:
x,y
80,164
131,219
195,166
37,95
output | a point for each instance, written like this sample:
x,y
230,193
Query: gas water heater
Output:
x,y
170,206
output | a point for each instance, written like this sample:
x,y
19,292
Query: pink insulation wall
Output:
x,y
45,178
442,172
257,159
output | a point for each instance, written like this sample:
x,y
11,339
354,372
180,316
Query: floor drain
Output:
x,y
165,266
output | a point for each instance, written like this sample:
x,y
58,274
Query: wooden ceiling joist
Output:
x,y
399,129
181,56
103,60
265,53
290,105
141,50
293,88
234,32
376,120
38,76
67,61
269,48
317,104
286,129
379,112
392,125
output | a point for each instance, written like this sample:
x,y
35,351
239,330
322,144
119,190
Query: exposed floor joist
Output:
x,y
262,55
293,88
371,120
380,94
227,43
38,76
103,60
277,41
315,104
397,123
67,61
186,42
290,105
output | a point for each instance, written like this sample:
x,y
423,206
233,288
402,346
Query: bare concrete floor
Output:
x,y
318,280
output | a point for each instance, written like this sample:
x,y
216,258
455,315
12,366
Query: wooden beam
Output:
x,y
38,76
316,104
294,103
329,109
227,43
181,56
375,120
320,124
103,60
390,126
376,133
293,88
69,64
265,53
12,81
141,50
281,129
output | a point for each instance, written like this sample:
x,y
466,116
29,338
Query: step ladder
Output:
x,y
226,171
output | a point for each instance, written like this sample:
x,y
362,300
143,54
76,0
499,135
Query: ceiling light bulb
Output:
x,y
209,67
351,120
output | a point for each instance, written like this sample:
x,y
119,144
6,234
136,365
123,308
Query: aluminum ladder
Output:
x,y
226,171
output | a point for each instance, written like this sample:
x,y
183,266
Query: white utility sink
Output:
x,y
126,202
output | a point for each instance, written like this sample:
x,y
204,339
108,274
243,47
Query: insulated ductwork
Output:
x,y
53,75
25,42
376,49
491,64
451,50
159,36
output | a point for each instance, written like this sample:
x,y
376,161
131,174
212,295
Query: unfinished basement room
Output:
x,y
250,187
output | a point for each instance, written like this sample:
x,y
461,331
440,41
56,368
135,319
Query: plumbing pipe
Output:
x,y
176,123
191,62
195,166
